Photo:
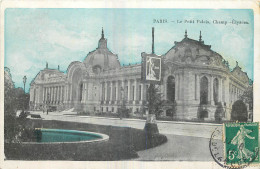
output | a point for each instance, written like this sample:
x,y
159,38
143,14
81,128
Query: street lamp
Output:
x,y
24,81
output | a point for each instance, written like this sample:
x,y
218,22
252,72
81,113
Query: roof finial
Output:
x,y
102,35
200,37
46,65
153,40
236,64
58,67
186,34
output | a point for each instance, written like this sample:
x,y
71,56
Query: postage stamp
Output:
x,y
241,144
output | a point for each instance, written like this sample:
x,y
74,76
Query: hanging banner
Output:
x,y
151,68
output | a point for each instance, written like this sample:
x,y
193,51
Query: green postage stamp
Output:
x,y
241,144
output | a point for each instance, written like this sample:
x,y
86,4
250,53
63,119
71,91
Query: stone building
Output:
x,y
195,76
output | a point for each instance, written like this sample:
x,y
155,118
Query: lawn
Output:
x,y
123,144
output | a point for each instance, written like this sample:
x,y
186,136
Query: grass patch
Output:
x,y
123,144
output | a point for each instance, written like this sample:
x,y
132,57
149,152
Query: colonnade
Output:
x,y
234,92
53,94
130,90
187,87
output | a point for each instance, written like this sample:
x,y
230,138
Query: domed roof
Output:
x,y
101,57
190,51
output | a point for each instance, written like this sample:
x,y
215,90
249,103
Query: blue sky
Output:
x,y
61,36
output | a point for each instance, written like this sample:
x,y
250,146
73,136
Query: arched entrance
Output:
x,y
239,111
204,90
77,85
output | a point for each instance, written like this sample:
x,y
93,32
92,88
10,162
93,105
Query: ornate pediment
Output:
x,y
194,52
239,74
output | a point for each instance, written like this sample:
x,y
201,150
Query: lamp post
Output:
x,y
123,102
24,82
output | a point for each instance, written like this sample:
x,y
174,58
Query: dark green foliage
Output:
x,y
31,135
247,97
23,115
151,128
155,102
239,111
14,99
123,143
219,113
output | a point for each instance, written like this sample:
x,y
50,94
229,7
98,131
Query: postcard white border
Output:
x,y
126,4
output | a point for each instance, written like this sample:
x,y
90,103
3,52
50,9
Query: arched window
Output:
x,y
215,90
171,88
204,90
80,91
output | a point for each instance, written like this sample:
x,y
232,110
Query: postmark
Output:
x,y
236,145
241,144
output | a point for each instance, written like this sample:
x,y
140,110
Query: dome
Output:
x,y
102,58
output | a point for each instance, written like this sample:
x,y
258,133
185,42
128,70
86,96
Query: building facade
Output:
x,y
194,76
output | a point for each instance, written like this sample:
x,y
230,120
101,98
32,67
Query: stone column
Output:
x,y
66,92
135,91
100,91
176,87
59,96
46,94
181,87
142,92
198,88
43,92
51,95
111,92
61,93
129,89
117,89
56,91
123,86
71,92
220,89
106,84
211,90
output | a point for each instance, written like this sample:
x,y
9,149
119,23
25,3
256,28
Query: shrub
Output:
x,y
219,113
239,111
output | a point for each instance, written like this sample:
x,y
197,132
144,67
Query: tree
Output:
x,y
174,109
219,112
247,96
155,102
14,99
155,108
239,111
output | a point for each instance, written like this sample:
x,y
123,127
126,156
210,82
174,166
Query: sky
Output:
x,y
59,36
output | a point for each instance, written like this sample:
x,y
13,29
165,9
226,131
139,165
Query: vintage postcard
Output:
x,y
129,84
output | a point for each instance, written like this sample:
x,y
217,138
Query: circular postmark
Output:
x,y
223,156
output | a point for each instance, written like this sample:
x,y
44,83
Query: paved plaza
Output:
x,y
186,140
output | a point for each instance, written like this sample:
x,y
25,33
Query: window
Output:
x,y
171,88
204,90
80,91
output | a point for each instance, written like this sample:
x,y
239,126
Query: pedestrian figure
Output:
x,y
239,140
